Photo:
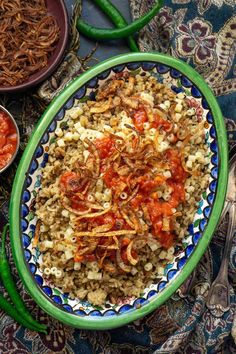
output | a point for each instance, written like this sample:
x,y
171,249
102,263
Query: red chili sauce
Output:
x,y
8,139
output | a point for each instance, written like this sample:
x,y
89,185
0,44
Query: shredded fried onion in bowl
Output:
x,y
28,36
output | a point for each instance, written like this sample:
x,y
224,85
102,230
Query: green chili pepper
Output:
x,y
116,17
13,313
9,284
107,33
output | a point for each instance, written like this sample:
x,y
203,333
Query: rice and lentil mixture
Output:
x,y
121,186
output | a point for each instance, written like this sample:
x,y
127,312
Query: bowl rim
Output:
x,y
18,138
50,68
15,235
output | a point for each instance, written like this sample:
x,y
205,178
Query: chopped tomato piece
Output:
x,y
76,204
124,256
136,201
149,186
3,141
12,138
160,179
140,117
176,168
178,194
70,182
157,208
113,180
9,148
125,242
108,218
157,226
105,146
4,159
154,195
4,123
166,239
161,123
109,177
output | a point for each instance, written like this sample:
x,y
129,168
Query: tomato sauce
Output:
x,y
161,123
112,179
70,182
76,204
113,219
166,239
140,117
8,139
105,146
147,185
174,159
157,208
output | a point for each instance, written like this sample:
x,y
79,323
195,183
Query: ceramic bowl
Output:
x,y
181,78
56,8
3,109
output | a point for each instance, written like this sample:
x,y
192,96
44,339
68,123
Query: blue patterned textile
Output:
x,y
203,33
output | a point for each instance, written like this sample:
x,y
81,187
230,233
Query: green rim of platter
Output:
x,y
15,204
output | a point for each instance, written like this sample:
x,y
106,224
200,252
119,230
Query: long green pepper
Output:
x,y
117,18
13,313
107,33
24,317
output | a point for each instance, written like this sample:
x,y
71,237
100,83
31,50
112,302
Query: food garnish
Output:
x,y
28,36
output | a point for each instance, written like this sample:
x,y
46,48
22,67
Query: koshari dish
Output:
x,y
120,188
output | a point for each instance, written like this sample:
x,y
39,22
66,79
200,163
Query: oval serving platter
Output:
x,y
181,78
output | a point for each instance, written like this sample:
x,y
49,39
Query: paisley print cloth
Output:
x,y
203,33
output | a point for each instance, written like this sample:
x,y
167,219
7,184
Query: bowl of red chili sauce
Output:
x,y
9,139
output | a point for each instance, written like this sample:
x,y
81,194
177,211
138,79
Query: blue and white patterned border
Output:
x,y
178,83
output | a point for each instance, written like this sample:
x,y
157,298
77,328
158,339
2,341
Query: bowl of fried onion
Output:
x,y
33,39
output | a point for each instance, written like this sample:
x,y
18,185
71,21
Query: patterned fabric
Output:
x,y
203,33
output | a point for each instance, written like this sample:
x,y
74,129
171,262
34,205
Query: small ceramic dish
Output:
x,y
56,8
16,143
180,77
